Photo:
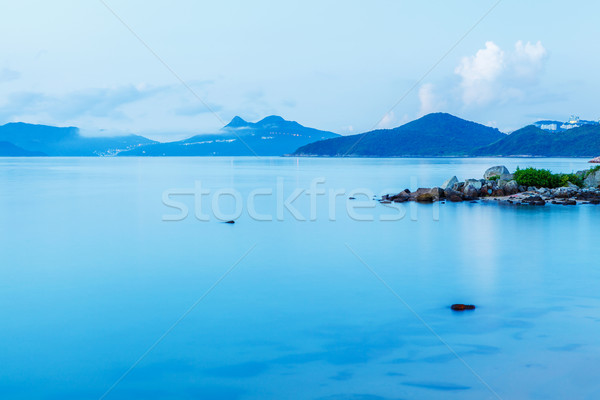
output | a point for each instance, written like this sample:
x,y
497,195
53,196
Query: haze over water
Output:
x,y
91,277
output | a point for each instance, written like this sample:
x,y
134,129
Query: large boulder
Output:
x,y
414,195
425,198
510,188
449,184
593,179
453,195
401,197
499,170
437,193
471,191
476,183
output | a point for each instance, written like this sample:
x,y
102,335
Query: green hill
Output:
x,y
434,135
532,141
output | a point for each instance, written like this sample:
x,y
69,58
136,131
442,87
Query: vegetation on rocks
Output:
x,y
543,178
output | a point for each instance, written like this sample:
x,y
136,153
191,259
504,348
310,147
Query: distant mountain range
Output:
x,y
271,136
434,135
533,141
20,139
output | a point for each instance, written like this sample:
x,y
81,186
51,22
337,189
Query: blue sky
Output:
x,y
339,66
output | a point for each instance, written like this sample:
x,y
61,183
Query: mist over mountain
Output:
x,y
271,136
57,141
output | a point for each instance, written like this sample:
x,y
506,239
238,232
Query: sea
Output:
x,y
120,278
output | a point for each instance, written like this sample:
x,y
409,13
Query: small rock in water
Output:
x,y
462,307
230,222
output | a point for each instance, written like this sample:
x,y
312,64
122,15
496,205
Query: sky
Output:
x,y
168,70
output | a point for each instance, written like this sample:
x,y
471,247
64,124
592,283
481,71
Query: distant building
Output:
x,y
556,126
549,127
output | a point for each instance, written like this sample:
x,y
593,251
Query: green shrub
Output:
x,y
544,178
494,178
574,179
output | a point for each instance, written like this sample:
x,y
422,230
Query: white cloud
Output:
x,y
528,59
493,75
480,74
387,121
428,99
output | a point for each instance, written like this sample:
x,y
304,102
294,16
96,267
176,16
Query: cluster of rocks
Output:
x,y
498,184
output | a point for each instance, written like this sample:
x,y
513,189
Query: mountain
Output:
x,y
57,141
271,136
532,141
10,150
434,135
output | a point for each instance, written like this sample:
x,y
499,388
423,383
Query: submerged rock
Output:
x,y
462,307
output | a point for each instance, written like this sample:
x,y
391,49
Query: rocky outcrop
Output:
x,y
504,189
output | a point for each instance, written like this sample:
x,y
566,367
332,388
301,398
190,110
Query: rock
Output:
x,y
569,202
462,307
572,186
449,184
400,197
592,180
230,222
425,198
511,187
351,198
437,193
564,192
498,170
476,183
418,192
471,192
534,201
453,195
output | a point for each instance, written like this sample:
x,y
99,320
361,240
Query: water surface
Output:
x,y
91,277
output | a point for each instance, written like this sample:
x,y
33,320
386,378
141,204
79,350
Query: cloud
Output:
x,y
387,121
95,102
428,99
493,75
192,109
528,59
7,75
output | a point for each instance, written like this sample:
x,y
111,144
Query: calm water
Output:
x,y
91,277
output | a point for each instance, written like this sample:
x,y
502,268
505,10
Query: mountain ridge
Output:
x,y
433,135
